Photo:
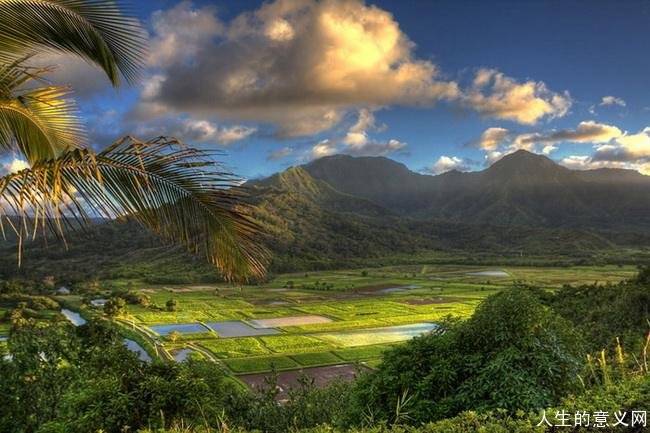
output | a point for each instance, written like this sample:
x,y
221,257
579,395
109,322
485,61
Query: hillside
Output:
x,y
342,211
522,188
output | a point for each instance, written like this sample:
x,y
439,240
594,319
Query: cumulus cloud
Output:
x,y
498,142
204,131
626,151
626,148
297,64
612,100
86,80
321,149
302,65
448,163
180,32
585,132
13,166
492,138
493,94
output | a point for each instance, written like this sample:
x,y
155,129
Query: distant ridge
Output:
x,y
521,188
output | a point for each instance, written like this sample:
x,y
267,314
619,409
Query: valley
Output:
x,y
309,323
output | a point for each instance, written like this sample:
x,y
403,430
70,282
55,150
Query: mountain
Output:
x,y
378,179
342,211
521,189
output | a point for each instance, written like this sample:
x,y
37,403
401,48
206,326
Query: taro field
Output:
x,y
319,319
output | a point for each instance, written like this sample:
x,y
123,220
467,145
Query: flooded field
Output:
x,y
390,334
232,329
183,328
290,321
135,347
494,273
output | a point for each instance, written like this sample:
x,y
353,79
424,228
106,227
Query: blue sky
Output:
x,y
436,85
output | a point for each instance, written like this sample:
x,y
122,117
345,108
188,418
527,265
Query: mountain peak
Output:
x,y
525,163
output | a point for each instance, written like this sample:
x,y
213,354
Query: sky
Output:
x,y
437,85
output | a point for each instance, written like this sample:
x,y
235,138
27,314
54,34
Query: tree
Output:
x,y
114,306
513,353
179,192
171,305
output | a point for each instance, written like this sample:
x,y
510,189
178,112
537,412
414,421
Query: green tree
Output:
x,y
114,306
177,191
171,305
513,353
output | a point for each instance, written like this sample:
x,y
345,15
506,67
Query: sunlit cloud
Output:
x,y
448,163
303,66
612,100
495,95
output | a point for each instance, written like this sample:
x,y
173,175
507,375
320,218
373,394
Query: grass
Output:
x,y
293,343
235,347
316,359
363,353
255,365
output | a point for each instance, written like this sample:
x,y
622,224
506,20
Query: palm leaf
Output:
x,y
96,30
38,121
177,191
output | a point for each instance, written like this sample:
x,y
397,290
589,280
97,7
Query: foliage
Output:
x,y
513,353
84,379
603,313
114,306
174,190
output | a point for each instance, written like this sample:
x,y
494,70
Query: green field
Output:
x,y
361,309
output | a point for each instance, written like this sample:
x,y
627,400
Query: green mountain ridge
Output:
x,y
343,211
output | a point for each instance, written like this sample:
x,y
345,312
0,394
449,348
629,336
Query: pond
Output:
x,y
399,289
488,274
183,328
74,317
365,337
239,329
182,355
135,347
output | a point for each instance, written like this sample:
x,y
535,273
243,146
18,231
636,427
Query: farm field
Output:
x,y
346,317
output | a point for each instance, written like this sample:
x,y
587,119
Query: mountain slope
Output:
x,y
522,188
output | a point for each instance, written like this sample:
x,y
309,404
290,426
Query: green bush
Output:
x,y
514,353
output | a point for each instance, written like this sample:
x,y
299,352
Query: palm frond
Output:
x,y
177,191
97,30
38,121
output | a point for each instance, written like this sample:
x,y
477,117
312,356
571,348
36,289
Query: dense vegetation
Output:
x,y
495,371
313,218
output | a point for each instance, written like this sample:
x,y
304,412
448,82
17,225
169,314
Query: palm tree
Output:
x,y
181,193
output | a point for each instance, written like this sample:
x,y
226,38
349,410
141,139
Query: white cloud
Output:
x,y
585,132
448,163
630,151
495,95
321,149
13,166
626,148
612,100
297,64
302,65
179,33
548,149
492,138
